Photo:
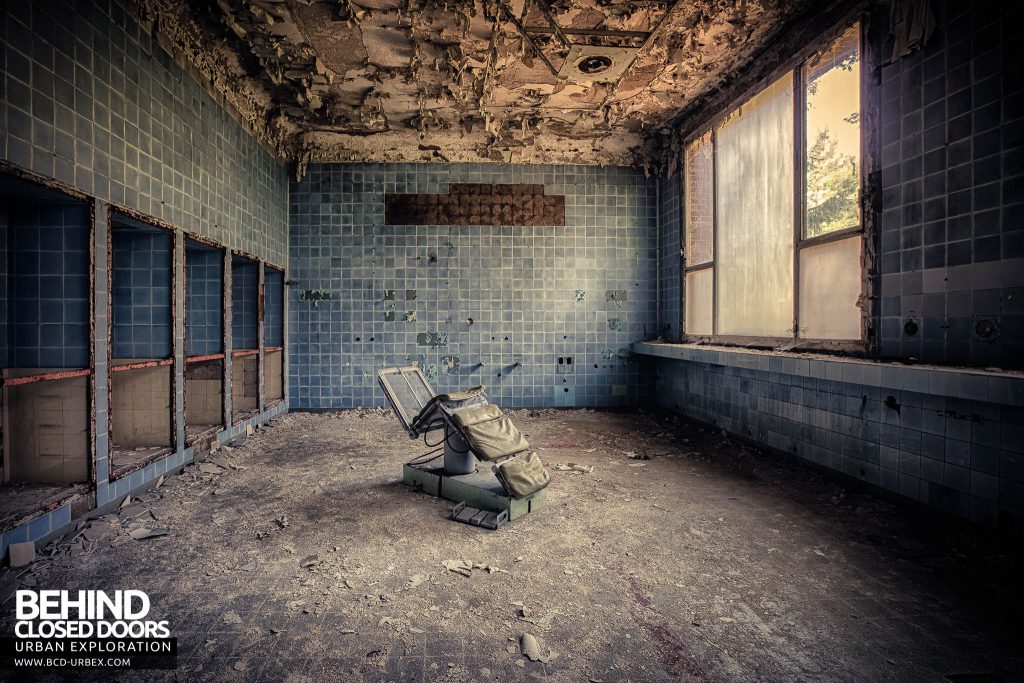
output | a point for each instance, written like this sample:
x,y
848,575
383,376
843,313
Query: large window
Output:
x,y
773,226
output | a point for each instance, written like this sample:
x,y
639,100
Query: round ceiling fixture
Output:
x,y
594,64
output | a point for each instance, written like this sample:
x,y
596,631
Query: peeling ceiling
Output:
x,y
541,81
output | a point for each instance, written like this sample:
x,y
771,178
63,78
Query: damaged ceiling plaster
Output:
x,y
565,81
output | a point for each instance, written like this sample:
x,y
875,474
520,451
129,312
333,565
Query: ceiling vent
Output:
x,y
596,64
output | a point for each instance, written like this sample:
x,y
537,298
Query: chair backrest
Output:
x,y
440,409
408,392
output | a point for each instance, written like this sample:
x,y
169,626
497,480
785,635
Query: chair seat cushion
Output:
x,y
489,432
522,475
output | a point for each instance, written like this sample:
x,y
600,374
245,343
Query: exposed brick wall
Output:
x,y
477,204
92,101
700,198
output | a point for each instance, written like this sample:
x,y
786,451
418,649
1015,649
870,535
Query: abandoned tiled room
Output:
x,y
511,340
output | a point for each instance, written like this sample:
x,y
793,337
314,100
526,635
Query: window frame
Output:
x,y
711,263
867,163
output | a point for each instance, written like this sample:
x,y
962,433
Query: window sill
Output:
x,y
1002,387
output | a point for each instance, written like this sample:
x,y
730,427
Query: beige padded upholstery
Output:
x,y
490,434
523,475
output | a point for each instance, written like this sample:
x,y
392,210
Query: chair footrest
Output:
x,y
476,517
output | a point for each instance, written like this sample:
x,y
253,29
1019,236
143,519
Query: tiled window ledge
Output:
x,y
1001,387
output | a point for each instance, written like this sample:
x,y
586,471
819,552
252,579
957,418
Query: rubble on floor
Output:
x,y
305,555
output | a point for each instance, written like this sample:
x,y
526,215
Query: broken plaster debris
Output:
x,y
528,616
594,599
21,554
531,648
466,567
143,533
573,467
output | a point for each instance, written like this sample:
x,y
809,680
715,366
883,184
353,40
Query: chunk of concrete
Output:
x,y
530,647
21,554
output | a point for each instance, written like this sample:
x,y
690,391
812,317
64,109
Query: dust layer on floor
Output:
x,y
667,553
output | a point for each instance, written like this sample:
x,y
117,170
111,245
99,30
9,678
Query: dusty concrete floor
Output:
x,y
706,562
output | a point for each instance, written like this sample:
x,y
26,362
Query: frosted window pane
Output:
x,y
830,281
699,287
699,198
833,137
755,215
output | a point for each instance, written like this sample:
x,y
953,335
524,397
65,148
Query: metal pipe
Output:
x,y
47,377
201,359
543,5
590,32
526,37
142,364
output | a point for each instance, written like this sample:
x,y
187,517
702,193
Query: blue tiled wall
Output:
x,y
952,230
403,294
204,299
141,293
273,307
48,282
4,319
949,439
950,255
91,100
53,520
245,283
670,205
